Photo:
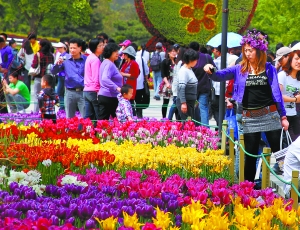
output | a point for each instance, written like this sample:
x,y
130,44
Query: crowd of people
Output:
x,y
103,80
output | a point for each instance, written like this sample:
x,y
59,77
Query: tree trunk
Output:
x,y
34,24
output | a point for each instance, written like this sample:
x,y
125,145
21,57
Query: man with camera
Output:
x,y
73,67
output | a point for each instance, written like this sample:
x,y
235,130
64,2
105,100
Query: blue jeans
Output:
x,y
72,100
16,103
203,108
60,91
91,105
156,82
173,109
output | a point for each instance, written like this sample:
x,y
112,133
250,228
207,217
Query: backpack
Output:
x,y
155,62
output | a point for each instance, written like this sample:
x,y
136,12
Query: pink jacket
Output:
x,y
91,73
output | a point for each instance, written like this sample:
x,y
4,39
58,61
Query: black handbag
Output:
x,y
212,93
146,96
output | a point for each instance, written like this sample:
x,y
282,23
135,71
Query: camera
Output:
x,y
212,70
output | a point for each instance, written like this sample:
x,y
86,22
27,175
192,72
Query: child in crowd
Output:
x,y
124,109
47,98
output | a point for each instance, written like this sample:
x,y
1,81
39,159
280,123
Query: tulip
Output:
x,y
90,223
108,223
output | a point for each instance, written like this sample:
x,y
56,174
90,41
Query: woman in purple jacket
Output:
x,y
257,89
111,82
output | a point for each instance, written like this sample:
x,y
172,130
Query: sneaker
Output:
x,y
157,98
277,171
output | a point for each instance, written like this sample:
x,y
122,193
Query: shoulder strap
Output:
x,y
38,55
143,63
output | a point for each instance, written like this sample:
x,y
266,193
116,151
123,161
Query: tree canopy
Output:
x,y
279,19
73,18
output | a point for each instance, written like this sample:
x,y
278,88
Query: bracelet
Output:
x,y
283,118
296,99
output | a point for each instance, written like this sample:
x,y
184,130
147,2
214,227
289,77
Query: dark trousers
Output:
x,y
91,105
190,109
294,126
27,79
132,102
214,106
165,107
107,107
50,116
140,94
252,141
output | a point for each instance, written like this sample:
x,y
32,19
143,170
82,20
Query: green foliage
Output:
x,y
73,18
125,24
279,19
48,13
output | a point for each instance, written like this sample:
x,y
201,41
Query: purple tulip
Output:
x,y
172,205
13,186
30,194
12,213
71,220
32,215
55,220
90,223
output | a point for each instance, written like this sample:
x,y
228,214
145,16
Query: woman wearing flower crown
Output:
x,y
257,89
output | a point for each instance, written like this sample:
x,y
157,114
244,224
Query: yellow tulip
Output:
x,y
288,218
162,219
109,223
131,221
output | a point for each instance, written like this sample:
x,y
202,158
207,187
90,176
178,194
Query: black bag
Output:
x,y
146,96
212,93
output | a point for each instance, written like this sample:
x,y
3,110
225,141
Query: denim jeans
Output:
x,y
72,100
60,91
203,108
36,90
156,82
17,103
91,105
173,109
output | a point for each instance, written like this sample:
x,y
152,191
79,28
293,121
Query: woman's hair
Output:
x,y
170,48
190,55
288,66
45,46
109,49
180,55
94,43
27,47
261,59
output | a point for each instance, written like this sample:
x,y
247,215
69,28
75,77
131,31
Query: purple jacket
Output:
x,y
234,72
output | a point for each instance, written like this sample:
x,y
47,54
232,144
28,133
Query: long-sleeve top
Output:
x,y
91,73
47,100
141,78
124,109
110,79
131,67
7,56
234,72
64,55
187,85
28,58
74,70
45,60
175,78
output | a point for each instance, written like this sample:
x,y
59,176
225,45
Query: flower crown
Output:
x,y
256,40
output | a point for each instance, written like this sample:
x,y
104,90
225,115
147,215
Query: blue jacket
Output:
x,y
234,72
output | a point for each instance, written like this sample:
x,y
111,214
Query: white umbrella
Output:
x,y
233,40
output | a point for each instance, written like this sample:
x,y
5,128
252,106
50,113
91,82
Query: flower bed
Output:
x,y
134,175
145,199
